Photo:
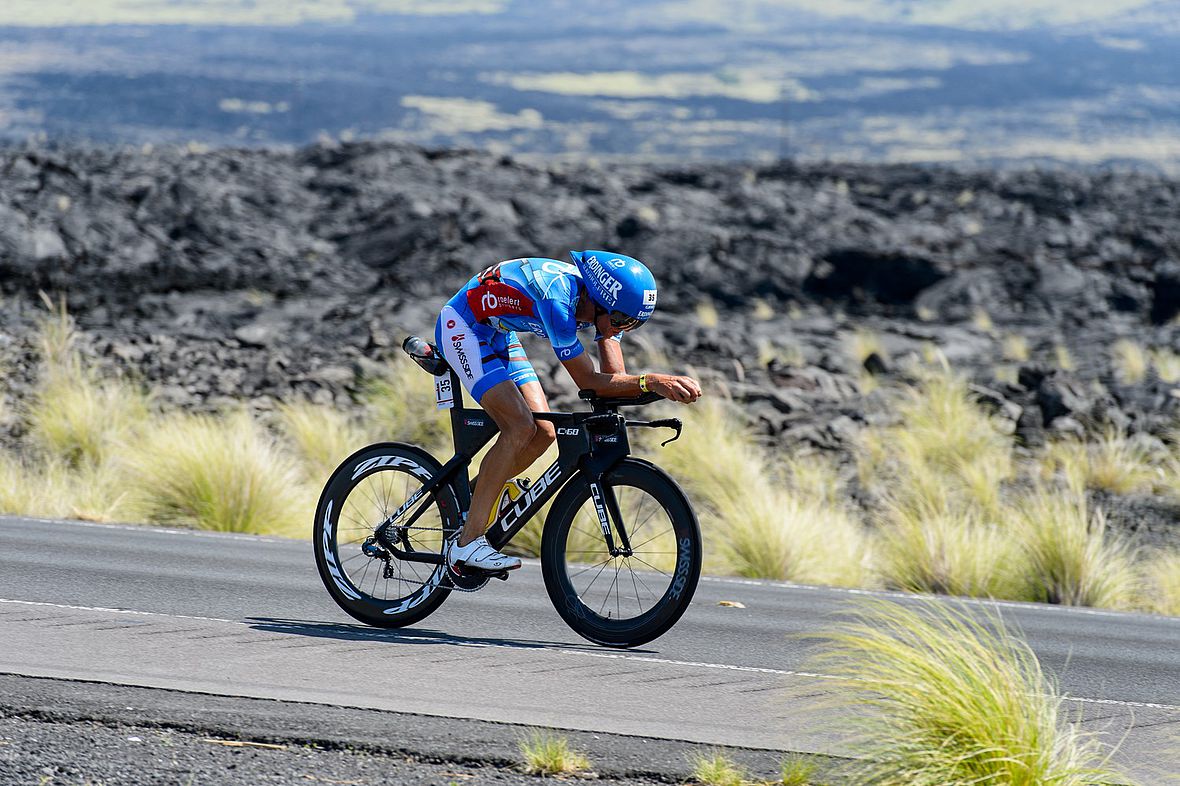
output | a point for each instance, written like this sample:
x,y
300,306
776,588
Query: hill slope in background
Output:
x,y
862,80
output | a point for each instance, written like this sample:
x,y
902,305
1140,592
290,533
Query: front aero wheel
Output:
x,y
622,601
364,576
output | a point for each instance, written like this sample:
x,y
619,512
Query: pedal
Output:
x,y
502,575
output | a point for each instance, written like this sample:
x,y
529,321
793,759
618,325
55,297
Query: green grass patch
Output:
x,y
940,699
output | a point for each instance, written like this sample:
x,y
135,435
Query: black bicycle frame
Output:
x,y
590,443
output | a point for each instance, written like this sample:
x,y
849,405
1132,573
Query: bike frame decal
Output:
x,y
528,503
409,503
600,506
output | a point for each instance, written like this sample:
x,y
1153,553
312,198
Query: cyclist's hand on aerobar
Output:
x,y
683,389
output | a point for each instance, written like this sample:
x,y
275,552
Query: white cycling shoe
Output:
x,y
478,554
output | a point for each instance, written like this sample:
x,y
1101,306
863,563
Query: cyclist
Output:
x,y
477,333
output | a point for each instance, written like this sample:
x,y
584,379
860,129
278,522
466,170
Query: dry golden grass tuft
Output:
x,y
1063,358
982,321
1130,361
218,473
1015,348
399,405
322,436
762,310
717,769
1166,364
1111,463
951,700
1161,583
80,420
51,488
1072,558
74,416
938,476
548,753
757,525
707,314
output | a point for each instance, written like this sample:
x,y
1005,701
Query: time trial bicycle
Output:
x,y
620,547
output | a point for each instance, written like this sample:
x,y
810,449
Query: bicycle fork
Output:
x,y
607,507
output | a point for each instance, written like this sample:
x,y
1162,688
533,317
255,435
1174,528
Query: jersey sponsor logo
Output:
x,y
495,298
607,283
565,353
457,343
450,324
553,267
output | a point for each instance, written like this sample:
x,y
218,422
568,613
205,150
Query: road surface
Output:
x,y
238,615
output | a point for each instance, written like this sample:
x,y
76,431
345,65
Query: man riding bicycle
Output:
x,y
476,332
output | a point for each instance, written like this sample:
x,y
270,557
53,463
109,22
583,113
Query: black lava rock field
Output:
x,y
263,274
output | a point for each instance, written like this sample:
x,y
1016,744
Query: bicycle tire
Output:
x,y
562,575
393,465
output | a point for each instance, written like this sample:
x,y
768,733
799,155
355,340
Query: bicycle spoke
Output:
x,y
591,584
634,586
649,540
607,596
653,567
592,567
644,583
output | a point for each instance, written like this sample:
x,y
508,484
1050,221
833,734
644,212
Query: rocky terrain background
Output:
x,y
264,275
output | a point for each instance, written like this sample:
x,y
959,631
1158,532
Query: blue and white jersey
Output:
x,y
534,294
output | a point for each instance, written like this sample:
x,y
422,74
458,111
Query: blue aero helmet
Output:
x,y
621,285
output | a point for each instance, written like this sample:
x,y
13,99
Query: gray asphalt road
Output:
x,y
237,615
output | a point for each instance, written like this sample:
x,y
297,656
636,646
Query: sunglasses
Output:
x,y
621,321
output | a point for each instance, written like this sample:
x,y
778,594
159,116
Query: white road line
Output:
x,y
556,650
1007,604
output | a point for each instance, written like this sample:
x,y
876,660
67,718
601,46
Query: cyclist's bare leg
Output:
x,y
507,406
534,396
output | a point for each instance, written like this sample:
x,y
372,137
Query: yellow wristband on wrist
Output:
x,y
643,383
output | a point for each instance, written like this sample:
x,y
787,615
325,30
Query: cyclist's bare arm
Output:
x,y
683,389
610,356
